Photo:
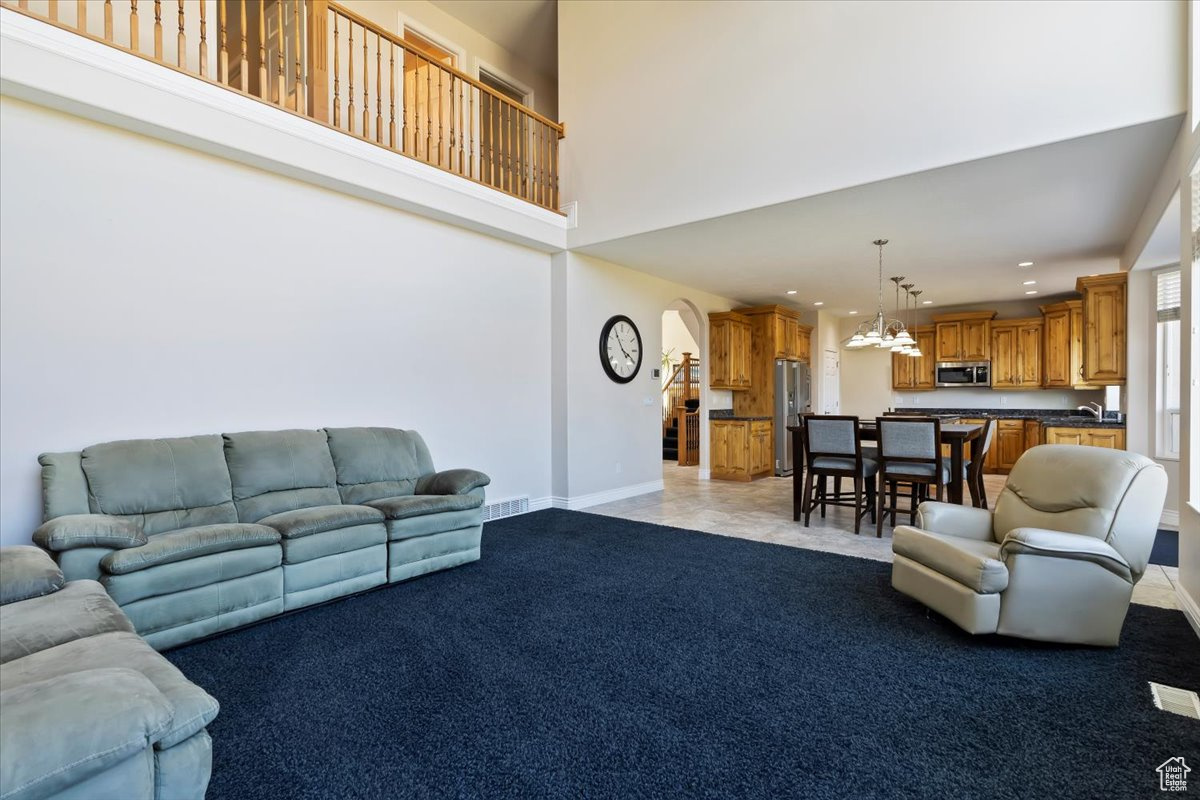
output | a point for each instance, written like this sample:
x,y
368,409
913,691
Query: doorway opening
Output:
x,y
682,386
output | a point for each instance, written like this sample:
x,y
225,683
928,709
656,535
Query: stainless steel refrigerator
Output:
x,y
793,397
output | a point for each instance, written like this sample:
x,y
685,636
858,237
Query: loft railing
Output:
x,y
322,61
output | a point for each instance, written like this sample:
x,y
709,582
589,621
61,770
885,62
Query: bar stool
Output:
x,y
832,449
909,453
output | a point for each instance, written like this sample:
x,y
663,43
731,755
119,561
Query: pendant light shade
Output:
x,y
880,331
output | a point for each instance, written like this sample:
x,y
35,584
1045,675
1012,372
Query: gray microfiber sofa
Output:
x,y
202,534
88,710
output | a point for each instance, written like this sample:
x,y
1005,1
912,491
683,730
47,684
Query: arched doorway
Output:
x,y
683,384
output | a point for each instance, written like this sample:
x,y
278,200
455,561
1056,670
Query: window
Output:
x,y
1167,283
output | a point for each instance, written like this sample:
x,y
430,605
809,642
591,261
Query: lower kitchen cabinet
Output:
x,y
1112,438
1008,444
740,450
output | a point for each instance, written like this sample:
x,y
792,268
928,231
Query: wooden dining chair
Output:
x,y
833,450
974,466
909,454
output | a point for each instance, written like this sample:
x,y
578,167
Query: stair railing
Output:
x,y
683,385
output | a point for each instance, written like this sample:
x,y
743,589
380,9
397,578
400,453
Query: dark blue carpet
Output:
x,y
586,656
1166,549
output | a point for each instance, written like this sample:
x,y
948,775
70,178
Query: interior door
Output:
x,y
830,388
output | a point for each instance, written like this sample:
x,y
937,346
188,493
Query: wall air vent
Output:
x,y
1177,701
506,508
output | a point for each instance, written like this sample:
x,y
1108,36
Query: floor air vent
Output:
x,y
506,508
1177,701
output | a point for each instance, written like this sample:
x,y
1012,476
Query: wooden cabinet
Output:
x,y
916,374
1113,438
775,333
1104,320
803,343
1017,354
1009,443
740,450
729,351
1062,346
965,336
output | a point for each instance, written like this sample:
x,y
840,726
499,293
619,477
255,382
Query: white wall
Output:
x,y
608,436
443,27
187,294
676,338
869,91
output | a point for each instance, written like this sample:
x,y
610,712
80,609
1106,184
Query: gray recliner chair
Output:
x,y
1058,558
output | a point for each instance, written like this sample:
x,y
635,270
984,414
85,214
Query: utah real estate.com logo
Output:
x,y
1172,775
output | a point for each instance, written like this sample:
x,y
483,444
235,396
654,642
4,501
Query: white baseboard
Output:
x,y
1189,607
1169,519
609,496
705,474
541,504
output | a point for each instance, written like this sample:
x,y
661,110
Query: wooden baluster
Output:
x,y
537,162
350,81
317,76
391,94
23,4
52,10
453,129
471,131
299,83
337,111
203,39
411,100
244,71
554,171
133,26
378,89
366,128
280,86
108,21
462,110
509,150
263,91
158,30
181,45
222,50
81,15
441,95
428,111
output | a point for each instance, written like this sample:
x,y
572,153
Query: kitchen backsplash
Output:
x,y
991,398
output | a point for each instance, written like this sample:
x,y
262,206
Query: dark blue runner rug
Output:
x,y
586,656
1166,549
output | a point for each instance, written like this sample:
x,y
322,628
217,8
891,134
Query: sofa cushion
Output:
x,y
79,609
374,463
89,530
62,731
452,481
276,471
165,483
193,707
180,545
26,572
420,505
64,486
307,521
973,563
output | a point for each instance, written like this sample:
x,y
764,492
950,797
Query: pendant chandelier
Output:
x,y
887,333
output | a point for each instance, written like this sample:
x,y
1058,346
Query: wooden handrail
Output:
x,y
667,385
459,74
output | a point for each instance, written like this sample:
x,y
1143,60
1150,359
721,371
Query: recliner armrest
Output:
x,y
180,545
60,731
1057,544
955,520
27,572
451,481
88,530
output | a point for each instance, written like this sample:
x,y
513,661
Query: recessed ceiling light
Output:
x,y
1028,283
852,313
791,291
926,302
819,303
1025,264
1032,291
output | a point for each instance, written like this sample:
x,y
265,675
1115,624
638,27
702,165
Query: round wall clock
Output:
x,y
620,349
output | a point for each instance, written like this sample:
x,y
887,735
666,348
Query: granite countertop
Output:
x,y
1052,418
725,413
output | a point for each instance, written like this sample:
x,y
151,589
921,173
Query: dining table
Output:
x,y
956,435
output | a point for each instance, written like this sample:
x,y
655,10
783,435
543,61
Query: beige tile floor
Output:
x,y
762,511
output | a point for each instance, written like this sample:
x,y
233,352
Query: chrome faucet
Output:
x,y
1097,409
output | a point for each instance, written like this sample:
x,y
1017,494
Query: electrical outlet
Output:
x,y
619,468
1003,400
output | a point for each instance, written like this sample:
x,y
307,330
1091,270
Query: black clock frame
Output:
x,y
608,370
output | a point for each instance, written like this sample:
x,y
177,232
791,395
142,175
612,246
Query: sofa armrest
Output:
x,y
180,545
25,572
950,518
89,530
451,481
64,730
1056,544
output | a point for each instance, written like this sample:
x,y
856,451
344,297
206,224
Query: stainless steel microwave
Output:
x,y
964,373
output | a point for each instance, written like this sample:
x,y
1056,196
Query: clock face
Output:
x,y
620,349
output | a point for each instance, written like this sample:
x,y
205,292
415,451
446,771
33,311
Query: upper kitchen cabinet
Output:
x,y
911,374
1017,354
779,331
729,351
1062,346
965,336
1104,309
